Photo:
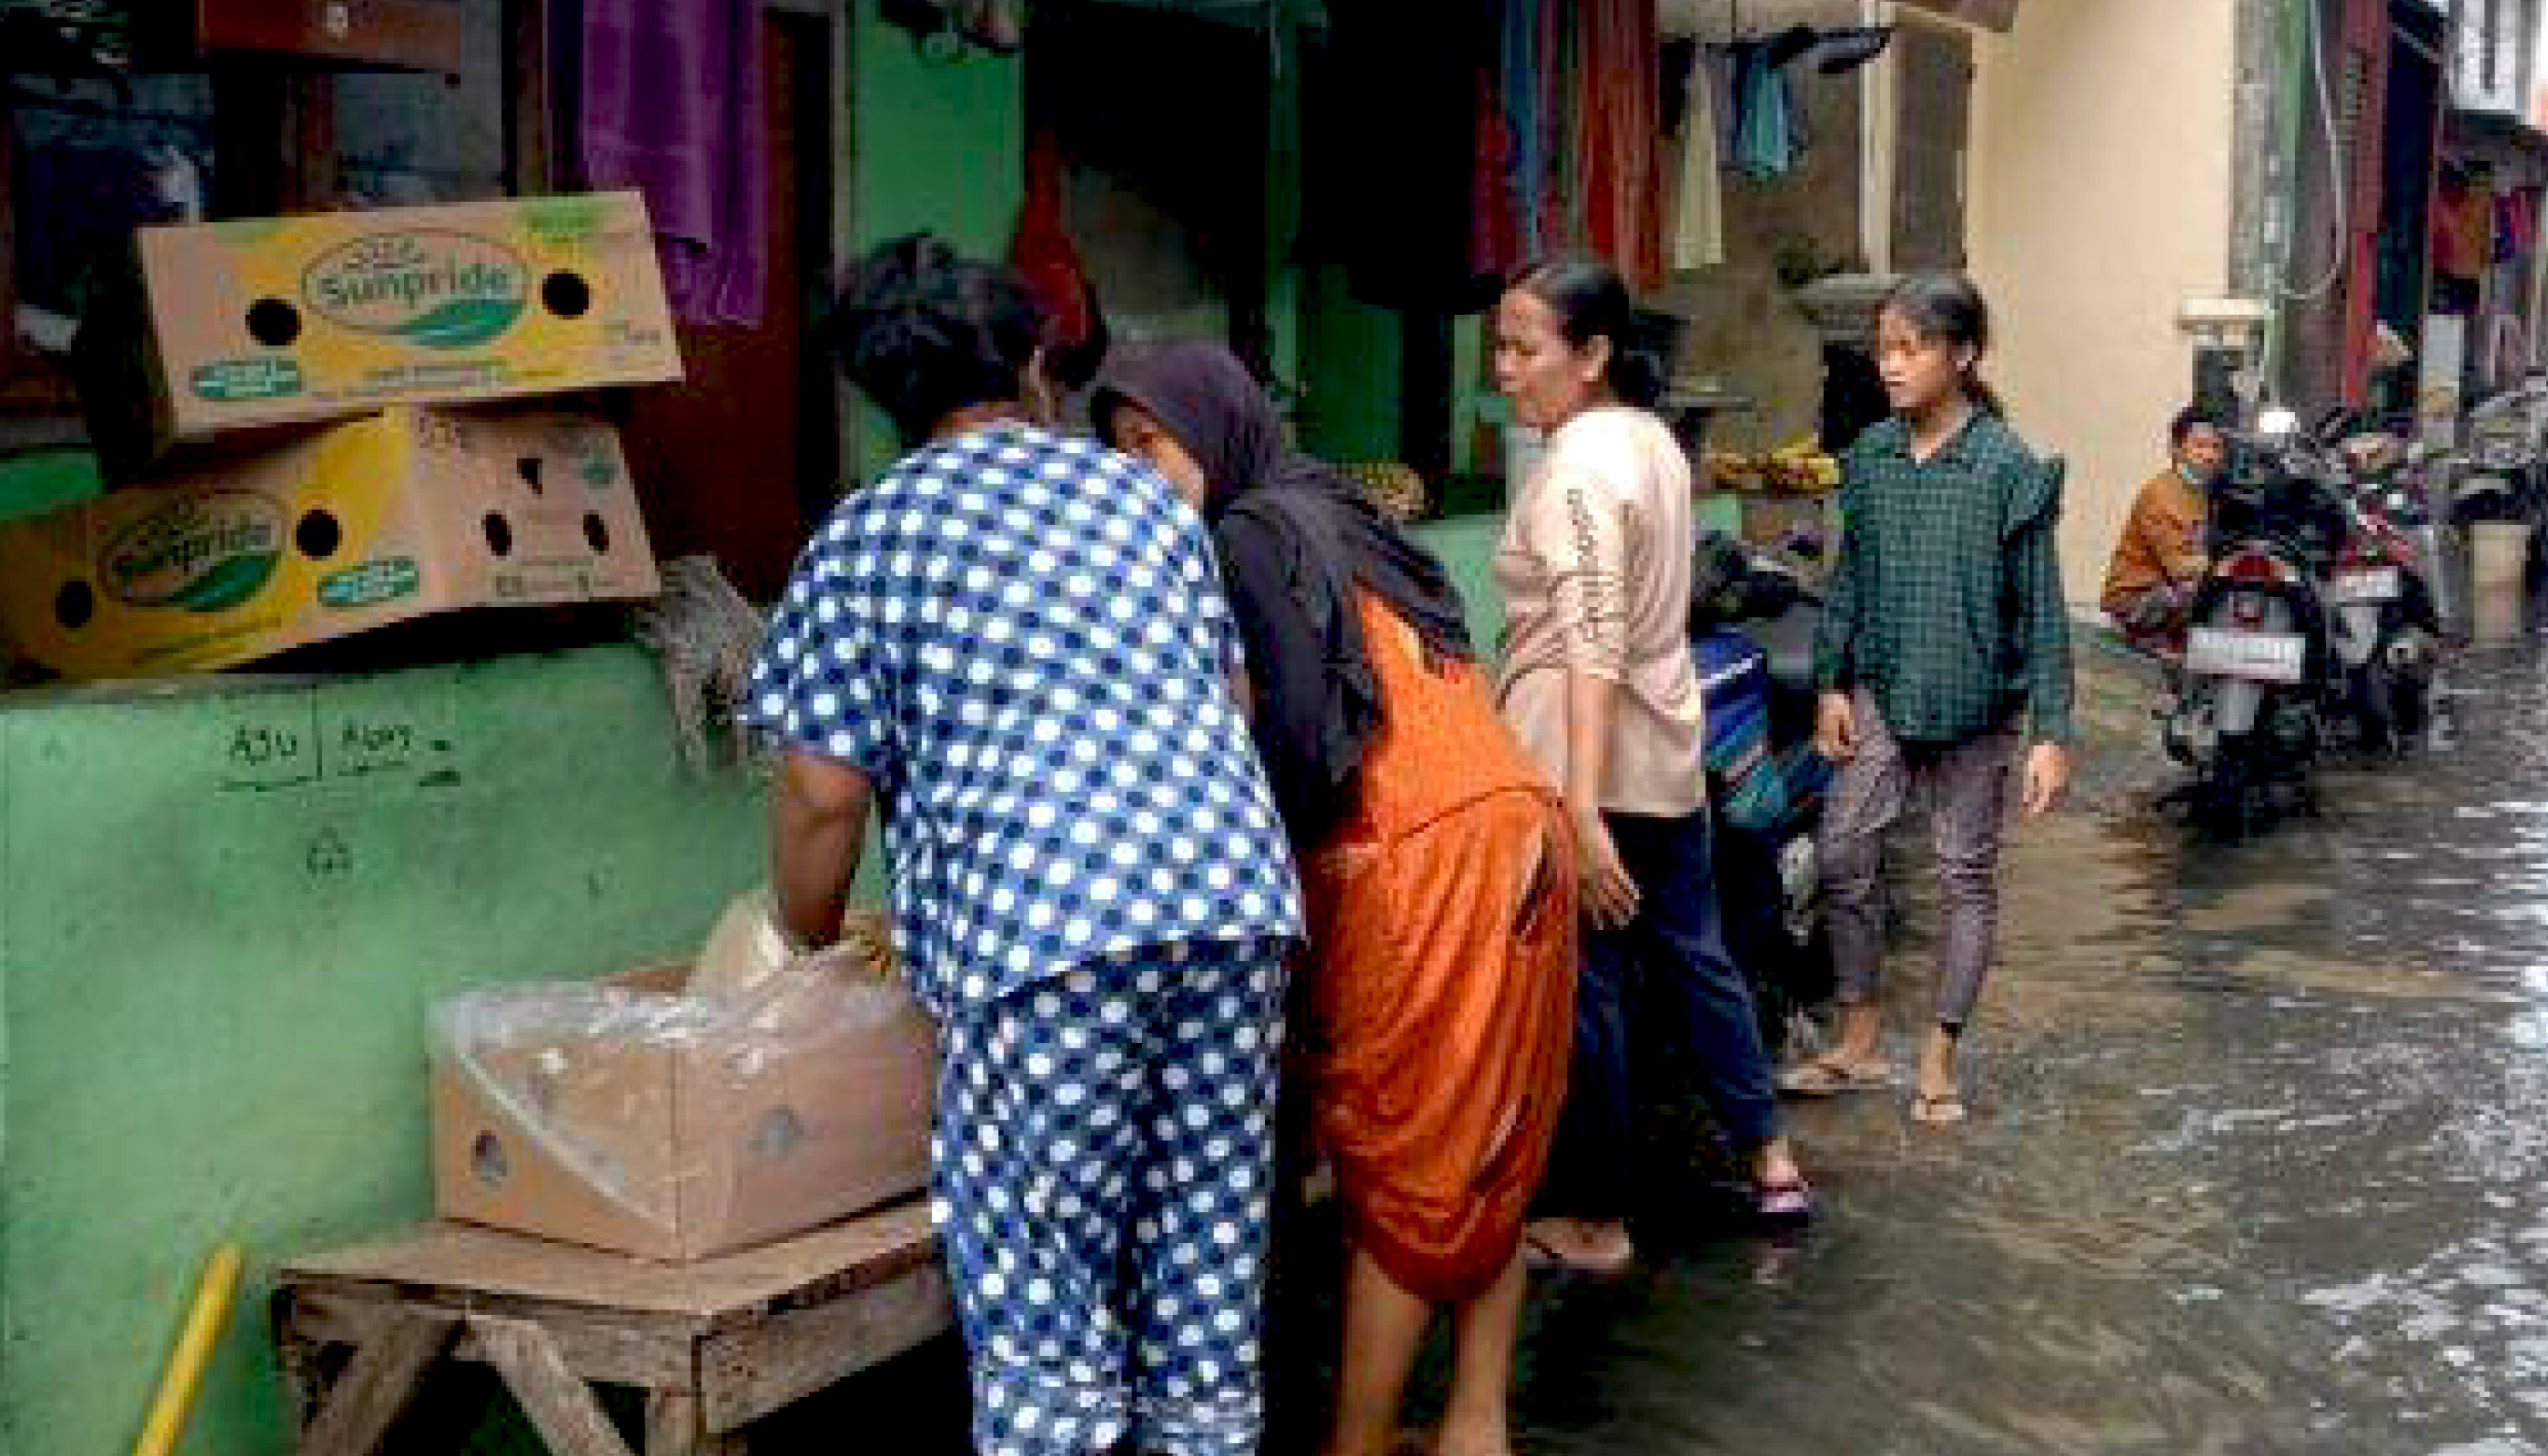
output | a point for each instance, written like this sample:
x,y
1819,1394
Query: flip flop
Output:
x,y
1826,1078
1539,1254
1938,1109
1785,1204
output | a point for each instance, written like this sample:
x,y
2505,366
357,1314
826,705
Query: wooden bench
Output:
x,y
715,1345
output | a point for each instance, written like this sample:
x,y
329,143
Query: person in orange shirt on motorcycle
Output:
x,y
2160,562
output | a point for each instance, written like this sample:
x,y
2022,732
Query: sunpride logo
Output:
x,y
441,290
205,553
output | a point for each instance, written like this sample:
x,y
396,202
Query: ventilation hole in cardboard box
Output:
x,y
318,535
530,467
778,1134
499,534
273,323
566,295
596,534
487,1160
75,604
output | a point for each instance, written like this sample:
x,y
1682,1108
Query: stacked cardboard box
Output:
x,y
304,421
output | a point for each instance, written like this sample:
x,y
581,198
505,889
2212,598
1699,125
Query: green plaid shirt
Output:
x,y
1946,604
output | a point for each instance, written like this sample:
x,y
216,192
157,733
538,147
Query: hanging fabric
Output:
x,y
1618,135
1525,95
1497,246
1049,262
1698,194
670,103
1764,145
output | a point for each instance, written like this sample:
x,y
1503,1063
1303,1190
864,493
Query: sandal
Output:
x,y
1824,1077
1787,1203
1938,1108
1539,1254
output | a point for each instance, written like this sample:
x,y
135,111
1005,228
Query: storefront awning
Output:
x,y
1994,15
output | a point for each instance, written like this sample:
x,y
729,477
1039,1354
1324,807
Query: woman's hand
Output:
x,y
1835,728
1611,897
2047,778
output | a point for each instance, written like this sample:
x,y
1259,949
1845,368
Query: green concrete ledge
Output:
x,y
224,909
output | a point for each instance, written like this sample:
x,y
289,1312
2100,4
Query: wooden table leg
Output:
x,y
361,1407
676,1425
559,1402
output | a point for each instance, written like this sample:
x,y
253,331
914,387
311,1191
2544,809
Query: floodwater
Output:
x,y
2256,1166
2256,1163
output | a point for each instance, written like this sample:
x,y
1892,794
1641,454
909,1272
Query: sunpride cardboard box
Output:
x,y
382,519
294,319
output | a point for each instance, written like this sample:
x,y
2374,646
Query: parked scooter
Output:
x,y
2501,472
1753,625
2247,711
2384,595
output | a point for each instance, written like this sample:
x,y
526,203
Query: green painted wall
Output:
x,y
1349,366
935,145
223,917
224,914
938,144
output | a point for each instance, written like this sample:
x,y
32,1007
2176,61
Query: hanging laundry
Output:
x,y
1498,247
1524,92
2463,214
1620,132
1764,145
1698,194
1725,100
1042,252
670,103
1561,205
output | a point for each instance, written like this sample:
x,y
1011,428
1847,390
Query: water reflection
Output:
x,y
2257,1164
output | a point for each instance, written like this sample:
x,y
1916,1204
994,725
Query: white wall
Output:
x,y
2099,184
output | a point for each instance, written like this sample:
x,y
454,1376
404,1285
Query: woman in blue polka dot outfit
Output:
x,y
1017,645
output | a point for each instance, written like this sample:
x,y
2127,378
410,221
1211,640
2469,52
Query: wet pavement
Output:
x,y
2256,1164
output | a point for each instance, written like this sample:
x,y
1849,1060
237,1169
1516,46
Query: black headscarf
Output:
x,y
1296,540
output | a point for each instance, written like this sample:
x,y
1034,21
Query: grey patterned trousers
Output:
x,y
1966,787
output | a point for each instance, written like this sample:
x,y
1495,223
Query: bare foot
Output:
x,y
1940,1100
1598,1247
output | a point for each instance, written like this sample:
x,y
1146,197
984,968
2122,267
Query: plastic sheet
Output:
x,y
638,1113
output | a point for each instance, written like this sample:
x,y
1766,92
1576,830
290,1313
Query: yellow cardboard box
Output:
x,y
297,320
384,519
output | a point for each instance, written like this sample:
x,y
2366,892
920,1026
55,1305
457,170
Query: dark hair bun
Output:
x,y
925,332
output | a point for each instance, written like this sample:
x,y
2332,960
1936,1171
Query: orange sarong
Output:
x,y
1442,988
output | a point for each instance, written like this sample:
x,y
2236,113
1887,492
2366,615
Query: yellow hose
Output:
x,y
176,1397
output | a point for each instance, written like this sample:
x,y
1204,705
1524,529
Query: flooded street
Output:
x,y
2256,1163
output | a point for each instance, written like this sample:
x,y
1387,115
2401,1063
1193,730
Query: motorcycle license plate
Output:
x,y
2257,657
2351,589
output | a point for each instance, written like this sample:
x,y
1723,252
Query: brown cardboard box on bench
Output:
x,y
627,1116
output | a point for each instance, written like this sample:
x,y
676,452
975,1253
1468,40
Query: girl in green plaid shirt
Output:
x,y
1945,667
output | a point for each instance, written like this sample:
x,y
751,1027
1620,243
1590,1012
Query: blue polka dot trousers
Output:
x,y
1105,1162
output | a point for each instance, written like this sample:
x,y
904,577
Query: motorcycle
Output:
x,y
2502,474
2385,594
1753,625
2248,712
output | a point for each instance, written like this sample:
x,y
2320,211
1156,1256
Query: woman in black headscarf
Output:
x,y
1439,872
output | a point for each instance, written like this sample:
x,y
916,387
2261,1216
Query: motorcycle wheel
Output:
x,y
2224,800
